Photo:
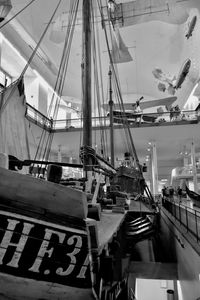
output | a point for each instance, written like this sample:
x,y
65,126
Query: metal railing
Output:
x,y
38,118
188,217
159,119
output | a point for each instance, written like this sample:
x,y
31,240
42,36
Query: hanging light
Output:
x,y
5,7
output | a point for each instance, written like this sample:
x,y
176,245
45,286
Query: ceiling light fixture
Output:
x,y
5,7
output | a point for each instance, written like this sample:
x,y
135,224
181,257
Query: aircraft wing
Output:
x,y
145,104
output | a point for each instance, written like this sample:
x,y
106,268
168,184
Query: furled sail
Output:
x,y
13,135
120,53
58,30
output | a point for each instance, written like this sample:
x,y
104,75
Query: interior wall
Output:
x,y
148,289
187,256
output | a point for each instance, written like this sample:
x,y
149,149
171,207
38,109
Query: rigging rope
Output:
x,y
17,14
118,89
98,79
104,141
30,59
60,78
62,69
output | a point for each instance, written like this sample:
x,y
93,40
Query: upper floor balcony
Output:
x,y
143,120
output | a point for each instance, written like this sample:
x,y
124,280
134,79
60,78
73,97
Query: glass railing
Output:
x,y
148,118
188,217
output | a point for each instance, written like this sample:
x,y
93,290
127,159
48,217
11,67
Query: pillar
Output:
x,y
1,42
59,153
42,98
154,169
194,169
185,161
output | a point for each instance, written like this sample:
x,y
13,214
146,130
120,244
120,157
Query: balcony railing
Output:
x,y
38,118
164,118
188,217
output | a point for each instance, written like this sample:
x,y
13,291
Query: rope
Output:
x,y
125,120
97,85
104,141
17,14
60,78
63,65
29,61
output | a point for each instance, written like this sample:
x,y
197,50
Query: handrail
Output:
x,y
37,117
188,217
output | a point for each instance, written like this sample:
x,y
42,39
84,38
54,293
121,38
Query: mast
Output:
x,y
111,120
86,85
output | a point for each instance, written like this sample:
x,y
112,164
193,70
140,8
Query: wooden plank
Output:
x,y
13,287
42,194
108,226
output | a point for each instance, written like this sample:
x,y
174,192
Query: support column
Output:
x,y
185,161
1,42
42,98
194,169
59,153
154,169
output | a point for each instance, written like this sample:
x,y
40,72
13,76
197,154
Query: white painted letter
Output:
x,y
71,255
6,242
43,249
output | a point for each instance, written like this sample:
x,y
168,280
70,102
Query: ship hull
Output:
x,y
16,288
49,249
194,197
43,260
45,241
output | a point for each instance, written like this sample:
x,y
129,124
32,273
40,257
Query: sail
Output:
x,y
140,11
58,30
13,135
120,53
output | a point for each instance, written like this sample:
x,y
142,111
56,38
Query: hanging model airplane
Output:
x,y
173,83
191,26
181,76
144,105
183,73
131,112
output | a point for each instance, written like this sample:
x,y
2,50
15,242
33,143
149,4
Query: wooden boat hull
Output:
x,y
16,288
49,249
193,196
29,193
45,242
42,260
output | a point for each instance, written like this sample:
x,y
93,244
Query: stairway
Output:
x,y
138,229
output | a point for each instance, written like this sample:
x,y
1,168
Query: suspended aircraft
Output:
x,y
173,83
134,111
191,27
183,73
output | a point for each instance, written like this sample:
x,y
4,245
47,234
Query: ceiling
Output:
x,y
153,41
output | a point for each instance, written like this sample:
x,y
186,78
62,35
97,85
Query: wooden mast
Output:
x,y
111,120
86,87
